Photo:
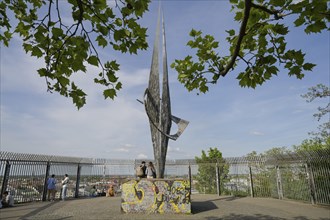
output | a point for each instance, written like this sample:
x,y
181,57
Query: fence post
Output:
x,y
251,182
5,178
44,193
279,183
311,183
217,168
189,173
78,181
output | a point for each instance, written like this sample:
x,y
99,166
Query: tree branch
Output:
x,y
241,35
276,14
47,58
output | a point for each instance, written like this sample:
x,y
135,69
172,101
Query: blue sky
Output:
x,y
235,120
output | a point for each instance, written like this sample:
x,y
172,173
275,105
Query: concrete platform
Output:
x,y
204,207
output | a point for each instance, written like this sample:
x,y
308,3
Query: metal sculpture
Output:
x,y
159,109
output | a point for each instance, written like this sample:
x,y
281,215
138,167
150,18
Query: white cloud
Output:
x,y
173,149
142,156
121,150
256,133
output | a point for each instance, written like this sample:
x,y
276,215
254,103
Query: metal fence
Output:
x,y
298,176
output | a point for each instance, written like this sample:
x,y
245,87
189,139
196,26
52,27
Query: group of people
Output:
x,y
148,171
145,171
51,187
8,200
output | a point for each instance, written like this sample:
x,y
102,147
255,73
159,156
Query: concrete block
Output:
x,y
156,196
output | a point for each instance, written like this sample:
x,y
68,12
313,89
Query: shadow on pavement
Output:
x,y
36,211
258,217
198,207
245,217
230,198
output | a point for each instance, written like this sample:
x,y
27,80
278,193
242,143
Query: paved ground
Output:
x,y
204,207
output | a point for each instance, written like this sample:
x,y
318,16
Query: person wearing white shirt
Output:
x,y
65,183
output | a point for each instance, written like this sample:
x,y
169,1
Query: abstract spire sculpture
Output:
x,y
159,109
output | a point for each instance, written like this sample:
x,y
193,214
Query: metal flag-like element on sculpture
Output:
x,y
182,124
159,109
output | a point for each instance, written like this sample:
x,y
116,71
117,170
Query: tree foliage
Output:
x,y
260,44
269,153
69,34
312,145
206,176
320,91
69,42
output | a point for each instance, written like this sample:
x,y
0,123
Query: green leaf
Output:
x,y
295,70
111,76
300,21
316,27
100,3
280,29
127,32
278,3
27,47
119,86
77,65
182,75
64,81
308,66
231,32
42,72
104,30
118,35
109,13
119,22
109,93
239,16
7,34
36,52
57,32
93,60
113,65
101,41
194,33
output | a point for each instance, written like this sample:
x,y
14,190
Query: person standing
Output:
x,y
7,200
51,188
141,170
151,171
65,183
144,168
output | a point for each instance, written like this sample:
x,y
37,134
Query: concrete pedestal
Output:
x,y
156,196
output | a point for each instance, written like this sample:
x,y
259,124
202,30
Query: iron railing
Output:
x,y
303,176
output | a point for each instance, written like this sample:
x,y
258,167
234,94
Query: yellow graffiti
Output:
x,y
156,196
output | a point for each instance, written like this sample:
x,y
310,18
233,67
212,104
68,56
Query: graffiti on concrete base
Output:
x,y
156,196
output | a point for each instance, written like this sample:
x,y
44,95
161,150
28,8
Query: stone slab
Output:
x,y
156,196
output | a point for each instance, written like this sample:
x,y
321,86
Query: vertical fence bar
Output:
x,y
279,182
189,175
44,193
310,182
5,178
217,169
78,181
251,182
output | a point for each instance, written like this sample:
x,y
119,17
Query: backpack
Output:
x,y
139,171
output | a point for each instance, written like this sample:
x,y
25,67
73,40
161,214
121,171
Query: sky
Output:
x,y
236,120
